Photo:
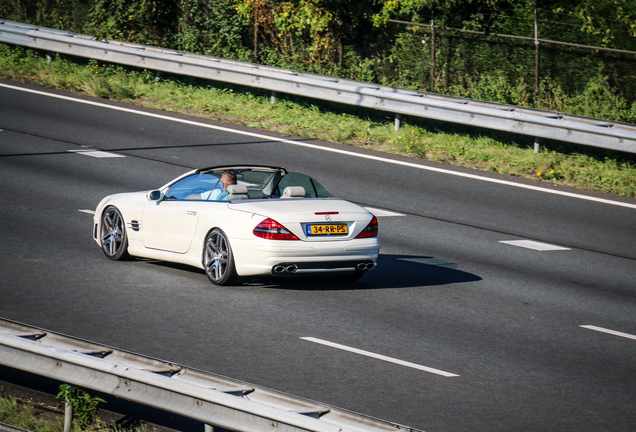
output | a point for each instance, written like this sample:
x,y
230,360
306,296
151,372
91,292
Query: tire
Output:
x,y
113,237
218,260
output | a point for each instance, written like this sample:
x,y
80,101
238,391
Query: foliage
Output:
x,y
63,14
355,40
35,415
24,415
138,21
308,32
213,28
85,406
452,13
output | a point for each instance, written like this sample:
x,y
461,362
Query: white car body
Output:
x,y
177,230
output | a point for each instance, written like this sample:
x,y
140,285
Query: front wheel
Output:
x,y
218,260
113,236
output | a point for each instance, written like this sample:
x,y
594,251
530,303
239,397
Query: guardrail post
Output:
x,y
537,145
208,428
273,97
68,416
398,117
157,76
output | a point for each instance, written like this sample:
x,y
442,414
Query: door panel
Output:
x,y
170,225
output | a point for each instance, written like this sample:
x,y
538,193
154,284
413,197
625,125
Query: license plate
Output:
x,y
327,229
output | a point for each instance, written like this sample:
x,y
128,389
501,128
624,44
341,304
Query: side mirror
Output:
x,y
154,195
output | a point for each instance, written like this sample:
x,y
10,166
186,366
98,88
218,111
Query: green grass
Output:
x,y
38,416
24,415
557,163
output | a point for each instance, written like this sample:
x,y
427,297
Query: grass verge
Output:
x,y
41,417
25,415
557,163
40,412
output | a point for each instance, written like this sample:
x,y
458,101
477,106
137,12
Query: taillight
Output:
x,y
271,230
371,229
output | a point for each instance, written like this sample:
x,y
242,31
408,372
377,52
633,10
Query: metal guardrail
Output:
x,y
509,118
211,399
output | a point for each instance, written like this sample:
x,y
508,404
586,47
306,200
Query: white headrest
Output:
x,y
236,189
293,191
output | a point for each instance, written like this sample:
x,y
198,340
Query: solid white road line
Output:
x,y
612,332
380,357
87,211
530,244
96,153
317,147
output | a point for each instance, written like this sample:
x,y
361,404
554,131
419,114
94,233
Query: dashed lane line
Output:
x,y
608,331
96,153
535,245
380,357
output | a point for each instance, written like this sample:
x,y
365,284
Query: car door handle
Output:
x,y
191,213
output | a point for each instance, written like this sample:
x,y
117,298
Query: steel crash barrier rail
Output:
x,y
509,118
214,400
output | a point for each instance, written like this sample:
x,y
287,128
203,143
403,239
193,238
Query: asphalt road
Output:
x,y
461,331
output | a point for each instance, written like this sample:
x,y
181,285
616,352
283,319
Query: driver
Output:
x,y
219,193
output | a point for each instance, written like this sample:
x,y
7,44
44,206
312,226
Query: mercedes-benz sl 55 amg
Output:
x,y
241,221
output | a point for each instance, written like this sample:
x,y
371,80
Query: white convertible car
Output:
x,y
238,221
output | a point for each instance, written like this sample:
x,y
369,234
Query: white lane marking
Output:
x,y
530,244
612,332
87,211
380,357
96,153
382,213
334,150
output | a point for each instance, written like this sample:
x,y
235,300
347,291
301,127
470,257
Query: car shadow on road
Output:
x,y
392,271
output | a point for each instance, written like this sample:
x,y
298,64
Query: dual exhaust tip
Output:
x,y
365,266
285,268
292,268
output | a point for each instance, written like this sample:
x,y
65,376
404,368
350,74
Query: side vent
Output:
x,y
134,225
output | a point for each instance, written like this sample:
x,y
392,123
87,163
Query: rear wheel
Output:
x,y
218,260
113,236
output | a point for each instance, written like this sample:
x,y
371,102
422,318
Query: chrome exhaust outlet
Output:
x,y
284,268
364,266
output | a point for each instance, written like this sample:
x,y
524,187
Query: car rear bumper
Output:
x,y
325,257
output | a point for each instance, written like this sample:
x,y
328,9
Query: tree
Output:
x,y
212,27
139,21
473,14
